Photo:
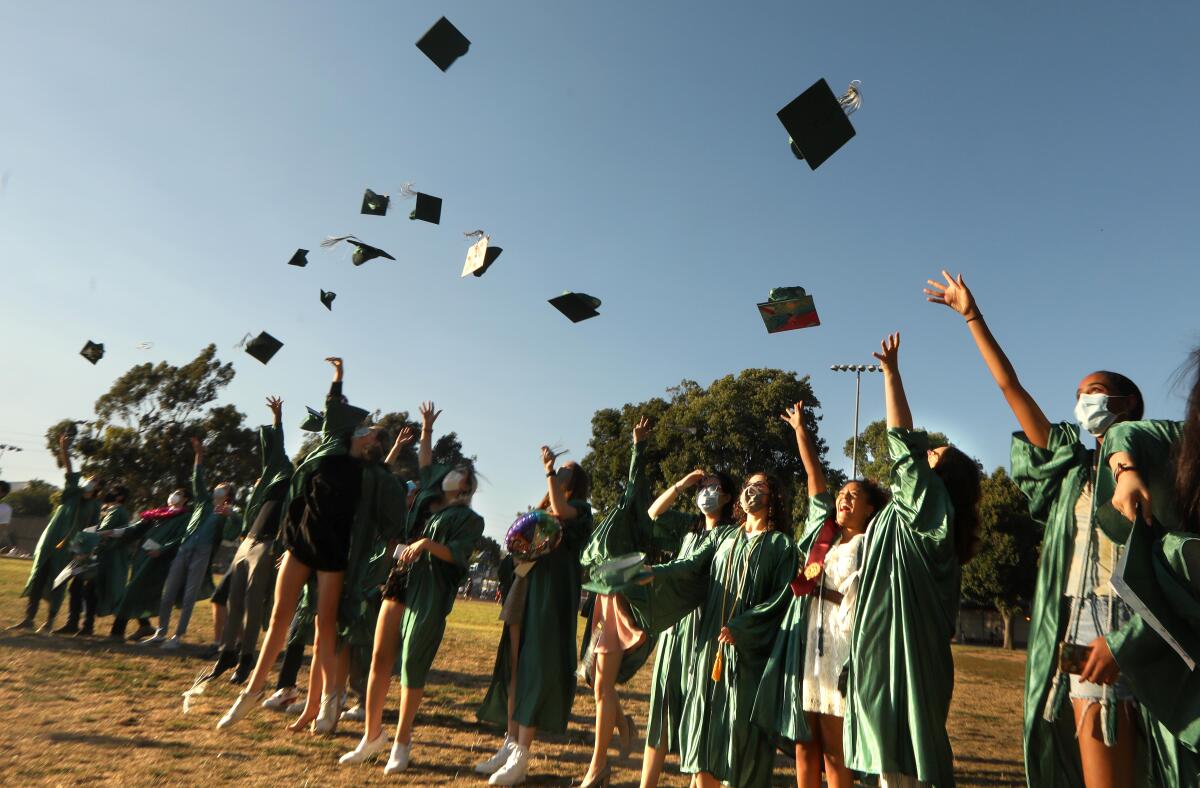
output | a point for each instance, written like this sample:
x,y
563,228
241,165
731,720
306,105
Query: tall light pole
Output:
x,y
857,369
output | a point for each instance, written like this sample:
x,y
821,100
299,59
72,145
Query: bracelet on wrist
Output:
x,y
1121,468
550,474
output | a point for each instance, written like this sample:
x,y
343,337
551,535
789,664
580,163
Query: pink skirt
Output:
x,y
618,632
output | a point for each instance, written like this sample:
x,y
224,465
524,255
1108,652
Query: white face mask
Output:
x,y
176,499
709,499
1092,413
454,483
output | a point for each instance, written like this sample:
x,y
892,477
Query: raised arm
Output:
x,y
335,388
560,507
955,294
898,414
794,417
64,452
428,417
667,499
199,487
276,406
404,437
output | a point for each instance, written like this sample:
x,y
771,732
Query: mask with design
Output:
x,y
1092,413
709,499
754,499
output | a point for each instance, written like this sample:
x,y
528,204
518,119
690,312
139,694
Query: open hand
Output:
x,y
1101,666
276,406
641,430
429,415
889,355
548,458
197,445
954,294
794,416
404,437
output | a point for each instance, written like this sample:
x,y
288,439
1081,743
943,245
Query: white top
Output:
x,y
5,514
821,670
1104,556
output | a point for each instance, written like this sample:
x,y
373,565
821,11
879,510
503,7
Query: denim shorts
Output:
x,y
1093,618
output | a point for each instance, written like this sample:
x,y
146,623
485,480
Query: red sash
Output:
x,y
801,585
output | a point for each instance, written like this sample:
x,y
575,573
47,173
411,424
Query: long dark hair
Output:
x,y
730,487
777,507
1124,387
1187,453
577,488
960,474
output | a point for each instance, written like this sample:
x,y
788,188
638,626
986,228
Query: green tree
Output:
x,y
732,426
142,425
487,552
34,499
1004,570
873,460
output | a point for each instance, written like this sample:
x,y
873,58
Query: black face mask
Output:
x,y
110,497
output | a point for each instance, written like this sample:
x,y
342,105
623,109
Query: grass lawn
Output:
x,y
82,711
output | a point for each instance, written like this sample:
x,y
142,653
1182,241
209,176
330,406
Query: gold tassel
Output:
x,y
718,664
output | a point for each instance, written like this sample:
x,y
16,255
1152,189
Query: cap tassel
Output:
x,y
407,192
1055,698
718,664
475,235
851,100
333,240
242,344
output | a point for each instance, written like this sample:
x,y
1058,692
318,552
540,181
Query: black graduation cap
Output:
x,y
443,44
93,351
427,209
817,122
327,297
576,306
362,252
263,347
300,258
375,204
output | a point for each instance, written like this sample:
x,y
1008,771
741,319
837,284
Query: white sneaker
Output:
x,y
172,643
493,764
327,719
158,637
366,750
514,769
240,708
355,713
398,761
282,699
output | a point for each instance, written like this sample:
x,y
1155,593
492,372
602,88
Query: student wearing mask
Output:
x,y
157,534
99,591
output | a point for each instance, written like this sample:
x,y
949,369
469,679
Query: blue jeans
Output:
x,y
1093,615
187,573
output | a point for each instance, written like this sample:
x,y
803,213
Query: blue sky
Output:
x,y
162,161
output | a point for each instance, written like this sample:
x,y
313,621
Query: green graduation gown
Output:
x,y
148,573
113,556
53,551
901,668
432,589
276,471
628,529
547,657
739,581
779,706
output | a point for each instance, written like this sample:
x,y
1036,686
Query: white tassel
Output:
x,y
335,239
1054,698
196,690
475,235
407,191
851,100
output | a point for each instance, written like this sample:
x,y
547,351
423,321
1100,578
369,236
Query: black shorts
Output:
x,y
397,584
221,595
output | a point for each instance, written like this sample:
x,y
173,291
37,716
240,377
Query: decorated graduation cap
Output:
x,y
362,252
443,44
375,204
788,308
576,306
481,255
818,121
299,259
93,351
262,347
327,297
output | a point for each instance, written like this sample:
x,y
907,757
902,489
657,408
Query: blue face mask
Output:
x,y
1092,413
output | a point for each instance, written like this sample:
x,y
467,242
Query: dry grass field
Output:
x,y
82,711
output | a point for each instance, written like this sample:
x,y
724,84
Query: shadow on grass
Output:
x,y
122,742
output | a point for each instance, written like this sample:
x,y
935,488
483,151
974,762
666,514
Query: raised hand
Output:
x,y
405,437
428,416
954,294
641,430
889,355
794,416
276,406
339,367
548,458
692,479
197,445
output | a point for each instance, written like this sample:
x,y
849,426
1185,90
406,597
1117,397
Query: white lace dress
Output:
x,y
821,670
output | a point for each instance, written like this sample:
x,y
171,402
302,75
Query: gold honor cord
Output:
x,y
719,660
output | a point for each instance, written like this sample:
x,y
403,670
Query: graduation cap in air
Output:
x,y
576,306
375,204
427,209
263,347
362,252
313,419
327,297
818,121
93,351
443,44
299,259
480,256
788,308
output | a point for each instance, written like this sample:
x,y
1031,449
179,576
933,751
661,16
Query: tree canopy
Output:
x,y
35,499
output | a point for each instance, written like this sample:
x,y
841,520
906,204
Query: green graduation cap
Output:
x,y
817,122
788,308
93,351
362,252
576,306
313,419
375,204
443,44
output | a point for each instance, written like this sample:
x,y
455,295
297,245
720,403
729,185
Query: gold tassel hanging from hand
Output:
x,y
718,664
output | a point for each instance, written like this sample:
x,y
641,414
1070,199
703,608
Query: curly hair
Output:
x,y
777,505
960,474
877,495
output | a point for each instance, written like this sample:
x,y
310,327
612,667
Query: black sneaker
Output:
x,y
86,631
225,661
69,628
143,632
245,667
25,623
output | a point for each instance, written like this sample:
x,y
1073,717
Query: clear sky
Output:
x,y
160,162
